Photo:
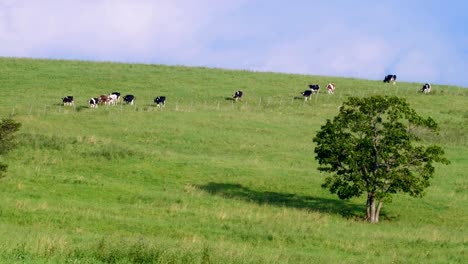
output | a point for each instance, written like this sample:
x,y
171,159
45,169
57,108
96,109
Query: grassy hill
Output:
x,y
207,180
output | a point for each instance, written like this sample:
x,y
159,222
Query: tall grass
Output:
x,y
204,179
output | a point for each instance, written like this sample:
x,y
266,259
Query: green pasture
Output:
x,y
206,179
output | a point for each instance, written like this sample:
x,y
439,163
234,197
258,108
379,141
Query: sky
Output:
x,y
418,40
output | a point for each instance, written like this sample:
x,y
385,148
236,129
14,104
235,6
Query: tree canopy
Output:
x,y
373,146
7,129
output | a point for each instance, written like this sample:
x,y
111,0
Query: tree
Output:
x,y
369,147
7,129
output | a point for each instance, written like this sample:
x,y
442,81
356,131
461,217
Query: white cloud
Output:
x,y
415,48
110,30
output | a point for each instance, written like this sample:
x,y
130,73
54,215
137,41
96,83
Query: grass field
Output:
x,y
207,180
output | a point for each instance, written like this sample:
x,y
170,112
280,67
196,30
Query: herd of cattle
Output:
x,y
114,97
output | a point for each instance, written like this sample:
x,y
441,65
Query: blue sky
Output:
x,y
420,41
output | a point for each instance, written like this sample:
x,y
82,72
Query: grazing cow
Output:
x,y
390,78
331,88
67,100
238,95
128,99
426,88
314,88
160,101
93,102
117,94
104,99
113,98
307,94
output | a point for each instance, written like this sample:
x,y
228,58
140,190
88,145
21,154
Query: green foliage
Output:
x,y
8,127
368,148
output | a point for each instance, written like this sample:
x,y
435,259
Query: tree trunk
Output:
x,y
378,210
372,209
368,211
372,212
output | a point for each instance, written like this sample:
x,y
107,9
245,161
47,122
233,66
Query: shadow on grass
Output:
x,y
318,204
299,98
81,108
229,99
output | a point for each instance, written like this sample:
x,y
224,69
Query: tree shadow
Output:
x,y
318,204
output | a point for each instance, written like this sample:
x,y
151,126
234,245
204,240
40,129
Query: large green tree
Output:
x,y
7,129
373,147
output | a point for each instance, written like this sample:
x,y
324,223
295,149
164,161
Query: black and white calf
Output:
x,y
67,100
160,101
314,88
307,94
93,102
238,95
426,88
128,99
390,78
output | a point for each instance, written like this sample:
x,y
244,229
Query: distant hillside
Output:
x,y
206,179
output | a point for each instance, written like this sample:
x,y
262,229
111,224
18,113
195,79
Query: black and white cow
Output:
x,y
93,102
307,94
117,95
314,88
68,100
128,99
112,99
160,101
238,95
390,78
426,88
